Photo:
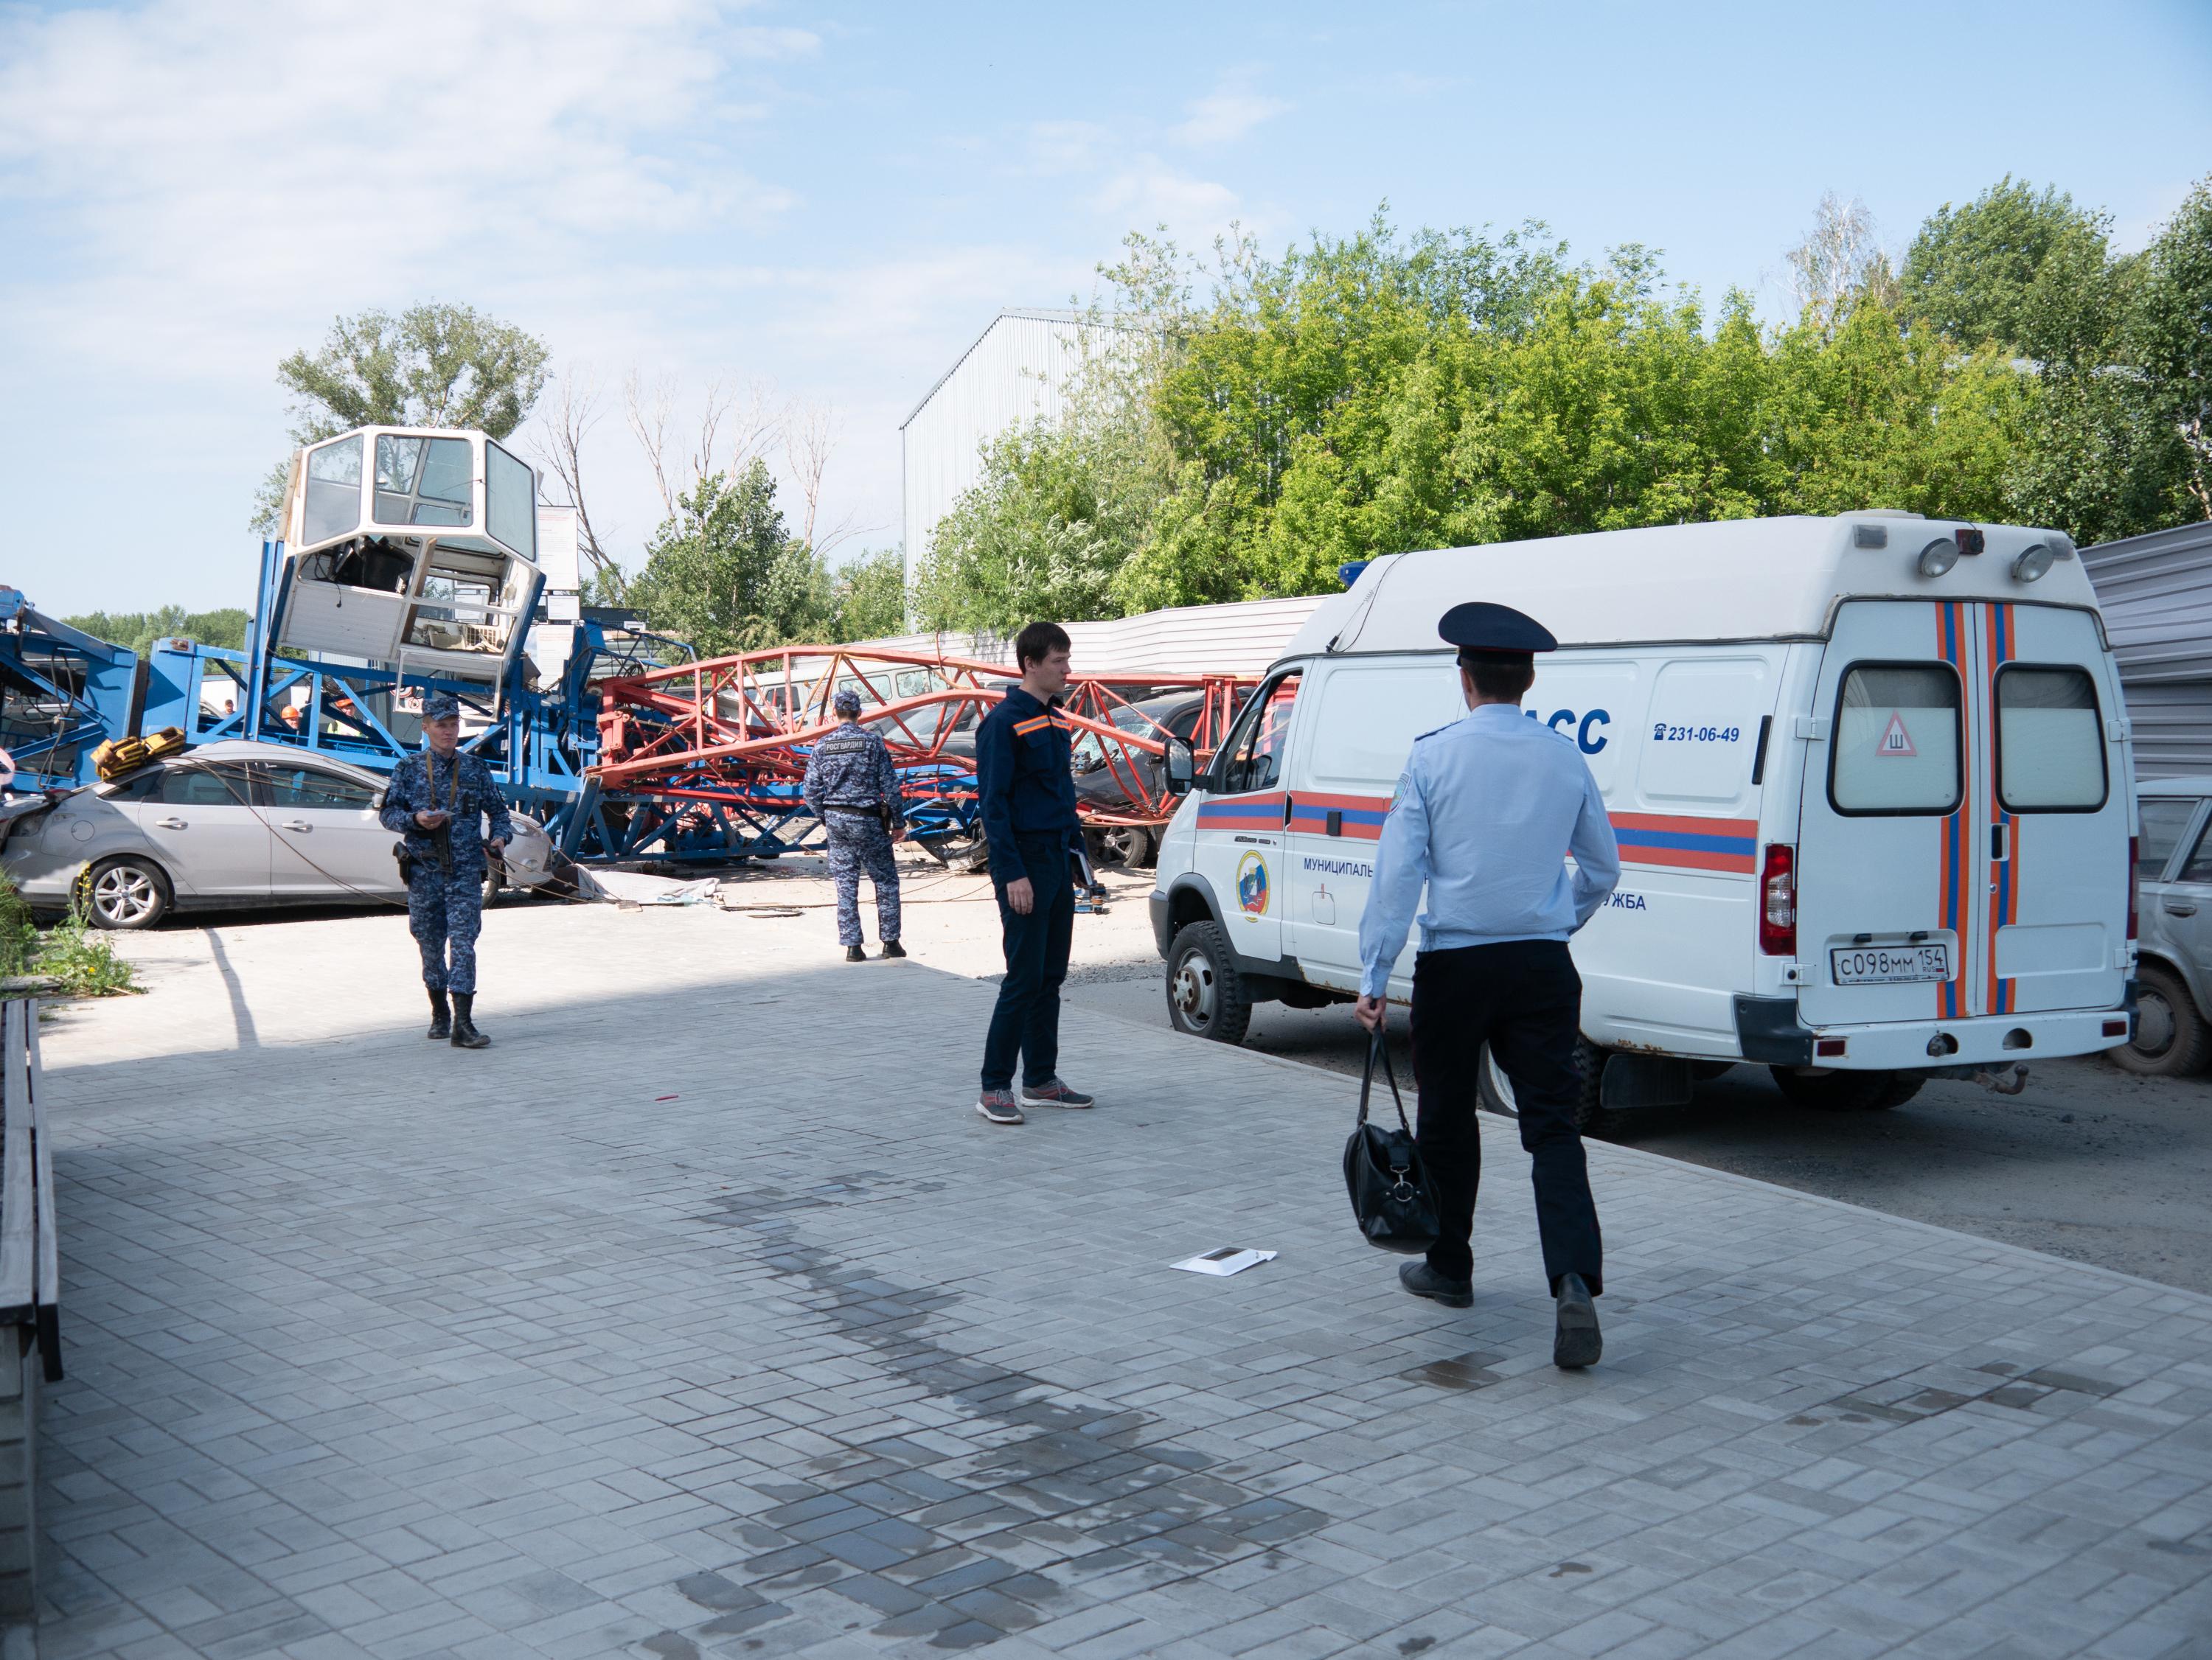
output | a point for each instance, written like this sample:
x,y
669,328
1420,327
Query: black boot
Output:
x,y
441,1015
465,1035
856,954
893,948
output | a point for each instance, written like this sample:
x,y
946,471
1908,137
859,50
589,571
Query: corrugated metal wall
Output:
x,y
1242,639
2156,594
1017,371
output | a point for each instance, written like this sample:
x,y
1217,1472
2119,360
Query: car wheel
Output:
x,y
1206,997
2170,1040
125,894
1846,1091
1124,845
1495,1090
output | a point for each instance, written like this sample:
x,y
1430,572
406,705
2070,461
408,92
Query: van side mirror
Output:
x,y
1181,766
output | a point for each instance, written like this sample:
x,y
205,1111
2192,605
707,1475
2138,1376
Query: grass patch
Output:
x,y
72,951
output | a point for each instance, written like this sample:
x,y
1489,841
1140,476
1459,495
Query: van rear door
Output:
x,y
1889,906
1961,848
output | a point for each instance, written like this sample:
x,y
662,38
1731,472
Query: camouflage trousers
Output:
x,y
858,842
445,913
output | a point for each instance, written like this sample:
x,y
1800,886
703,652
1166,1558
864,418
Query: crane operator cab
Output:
x,y
413,548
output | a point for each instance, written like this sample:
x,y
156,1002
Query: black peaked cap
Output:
x,y
1480,625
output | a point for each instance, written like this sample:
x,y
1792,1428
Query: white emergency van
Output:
x,y
1870,775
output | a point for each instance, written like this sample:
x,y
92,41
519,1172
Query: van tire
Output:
x,y
1494,1090
2170,1038
1206,997
1846,1091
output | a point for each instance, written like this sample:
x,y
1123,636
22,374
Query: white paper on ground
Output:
x,y
636,887
1229,1259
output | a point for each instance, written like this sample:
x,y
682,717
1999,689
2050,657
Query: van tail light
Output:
x,y
1777,901
2135,855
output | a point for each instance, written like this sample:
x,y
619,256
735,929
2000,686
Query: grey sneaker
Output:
x,y
998,1105
1425,1281
1053,1093
1577,1342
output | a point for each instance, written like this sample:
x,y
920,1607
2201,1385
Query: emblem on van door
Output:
x,y
1252,885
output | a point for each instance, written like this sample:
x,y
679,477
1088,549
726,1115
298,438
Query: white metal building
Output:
x,y
1017,371
1238,639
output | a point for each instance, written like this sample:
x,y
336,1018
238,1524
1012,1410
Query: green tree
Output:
x,y
869,597
432,365
1971,269
725,574
2167,341
139,630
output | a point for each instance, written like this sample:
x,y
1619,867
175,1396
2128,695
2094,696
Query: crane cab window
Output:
x,y
2051,740
333,489
424,480
1896,743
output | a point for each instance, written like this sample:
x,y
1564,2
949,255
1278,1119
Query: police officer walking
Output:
x,y
851,786
440,799
1027,803
1486,815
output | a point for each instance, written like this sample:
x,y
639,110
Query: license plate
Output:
x,y
1889,965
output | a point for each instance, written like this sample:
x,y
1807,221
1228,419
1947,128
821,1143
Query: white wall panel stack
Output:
x,y
2156,594
1241,639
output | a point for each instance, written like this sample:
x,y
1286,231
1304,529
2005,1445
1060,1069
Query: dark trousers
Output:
x,y
1027,1018
1525,999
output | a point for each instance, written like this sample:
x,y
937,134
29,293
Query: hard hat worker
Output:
x,y
440,800
853,787
1486,815
1027,802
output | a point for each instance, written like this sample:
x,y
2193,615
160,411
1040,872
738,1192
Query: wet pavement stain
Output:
x,y
964,1549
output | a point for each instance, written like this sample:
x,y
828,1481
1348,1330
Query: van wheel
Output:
x,y
1846,1091
125,894
2172,1039
1495,1089
1206,997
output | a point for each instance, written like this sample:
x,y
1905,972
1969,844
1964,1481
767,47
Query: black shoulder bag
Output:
x,y
1390,1197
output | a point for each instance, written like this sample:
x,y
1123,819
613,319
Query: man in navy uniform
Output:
x,y
442,799
1486,815
1027,804
851,784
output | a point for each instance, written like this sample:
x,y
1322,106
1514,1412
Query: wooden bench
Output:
x,y
30,1293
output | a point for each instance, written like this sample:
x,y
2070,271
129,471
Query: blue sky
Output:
x,y
831,203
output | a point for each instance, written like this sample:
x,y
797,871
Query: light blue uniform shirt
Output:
x,y
1486,815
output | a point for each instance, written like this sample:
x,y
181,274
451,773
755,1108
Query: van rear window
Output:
x,y
1896,744
2051,740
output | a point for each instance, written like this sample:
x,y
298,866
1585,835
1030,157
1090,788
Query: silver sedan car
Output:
x,y
230,825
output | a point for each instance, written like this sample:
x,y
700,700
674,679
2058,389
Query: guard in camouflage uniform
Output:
x,y
853,788
440,800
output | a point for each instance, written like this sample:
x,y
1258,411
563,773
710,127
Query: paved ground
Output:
x,y
701,1316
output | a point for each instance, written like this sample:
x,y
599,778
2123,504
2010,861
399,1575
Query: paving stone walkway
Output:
x,y
702,1317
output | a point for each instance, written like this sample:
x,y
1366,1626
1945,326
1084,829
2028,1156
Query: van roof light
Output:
x,y
1969,539
1939,556
2033,561
1869,535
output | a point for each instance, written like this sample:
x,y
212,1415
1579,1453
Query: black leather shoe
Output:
x,y
893,948
442,1018
465,1035
1425,1281
856,954
1577,1342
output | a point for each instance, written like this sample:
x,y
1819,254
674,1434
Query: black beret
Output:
x,y
1478,626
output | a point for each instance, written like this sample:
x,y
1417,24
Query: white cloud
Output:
x,y
1227,113
1148,191
191,178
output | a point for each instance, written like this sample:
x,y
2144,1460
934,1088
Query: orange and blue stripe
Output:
x,y
1242,813
1360,817
1675,841
2004,876
1952,905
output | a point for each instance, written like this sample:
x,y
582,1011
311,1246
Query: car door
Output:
x,y
202,823
2166,823
329,843
1238,846
2184,910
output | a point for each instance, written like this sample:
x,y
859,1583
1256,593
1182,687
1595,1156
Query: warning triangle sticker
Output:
x,y
1895,740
